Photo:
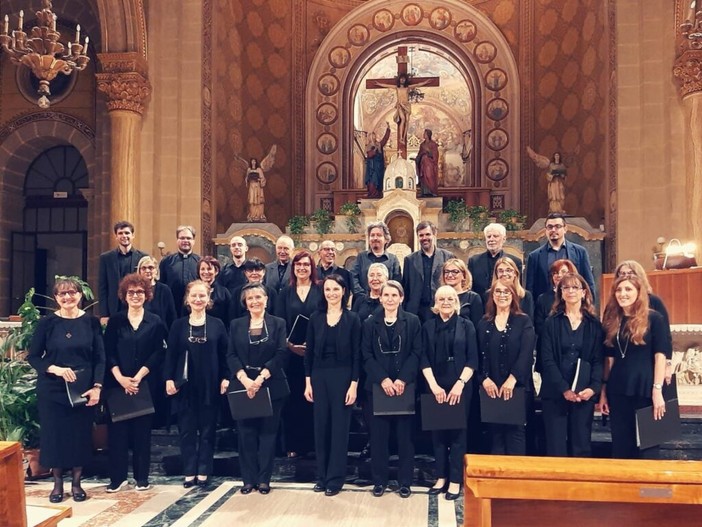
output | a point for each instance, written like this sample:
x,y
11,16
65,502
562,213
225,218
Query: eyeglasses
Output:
x,y
138,292
332,249
562,272
147,268
554,227
198,340
69,292
261,340
502,292
571,288
449,300
303,264
507,271
626,274
453,272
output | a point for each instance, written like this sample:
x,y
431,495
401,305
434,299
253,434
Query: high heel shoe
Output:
x,y
188,483
451,496
435,491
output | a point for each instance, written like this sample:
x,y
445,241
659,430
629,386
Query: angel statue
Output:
x,y
555,176
255,179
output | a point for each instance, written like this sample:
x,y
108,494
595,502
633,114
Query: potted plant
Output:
x,y
478,215
457,211
352,211
511,219
297,224
322,221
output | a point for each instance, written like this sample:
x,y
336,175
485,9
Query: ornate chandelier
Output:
x,y
42,52
691,28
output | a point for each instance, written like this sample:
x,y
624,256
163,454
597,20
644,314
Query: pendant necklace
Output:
x,y
619,344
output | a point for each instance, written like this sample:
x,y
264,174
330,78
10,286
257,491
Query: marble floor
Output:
x,y
290,504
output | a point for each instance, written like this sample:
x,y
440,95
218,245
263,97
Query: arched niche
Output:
x,y
464,35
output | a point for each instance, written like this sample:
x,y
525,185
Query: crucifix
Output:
x,y
403,83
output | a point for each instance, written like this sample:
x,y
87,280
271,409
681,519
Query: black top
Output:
x,y
542,310
655,303
288,305
177,271
394,354
162,304
232,276
558,362
365,306
506,352
113,266
334,269
207,362
237,309
359,272
471,306
130,349
74,343
464,351
348,348
270,353
632,373
221,299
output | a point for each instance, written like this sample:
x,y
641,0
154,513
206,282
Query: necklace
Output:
x,y
619,344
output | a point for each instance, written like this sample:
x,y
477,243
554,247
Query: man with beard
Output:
x,y
179,269
556,248
278,273
481,266
378,239
232,274
422,272
115,265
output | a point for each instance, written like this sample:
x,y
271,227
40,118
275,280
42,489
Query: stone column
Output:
x,y
688,72
124,81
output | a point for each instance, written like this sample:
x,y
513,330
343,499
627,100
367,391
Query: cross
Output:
x,y
403,83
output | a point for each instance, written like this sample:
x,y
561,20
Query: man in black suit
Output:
x,y
232,274
482,266
179,269
327,263
115,265
378,240
422,270
278,272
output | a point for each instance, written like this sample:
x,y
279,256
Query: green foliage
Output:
x,y
457,211
19,414
297,224
478,215
322,221
351,210
511,219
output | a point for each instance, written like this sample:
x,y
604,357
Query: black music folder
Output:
x,y
650,432
396,405
298,333
443,416
242,407
581,380
76,389
500,412
670,391
123,406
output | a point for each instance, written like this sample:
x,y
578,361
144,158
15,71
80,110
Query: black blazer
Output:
x,y
465,346
271,354
520,339
348,347
109,278
553,384
270,279
335,269
402,365
413,277
479,268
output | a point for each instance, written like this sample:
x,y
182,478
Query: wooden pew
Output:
x,y
514,491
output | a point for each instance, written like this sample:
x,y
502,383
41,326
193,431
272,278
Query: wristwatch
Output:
x,y
657,386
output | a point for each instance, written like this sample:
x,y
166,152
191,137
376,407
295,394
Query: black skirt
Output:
x,y
66,435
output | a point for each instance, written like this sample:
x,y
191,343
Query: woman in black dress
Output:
x,y
134,347
257,354
449,358
544,303
197,351
300,298
506,342
67,347
391,347
332,364
208,269
636,348
572,333
162,303
507,272
456,274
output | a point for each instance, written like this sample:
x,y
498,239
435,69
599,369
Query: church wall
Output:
x,y
651,153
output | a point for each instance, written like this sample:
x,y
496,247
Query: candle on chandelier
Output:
x,y
78,34
70,45
53,23
6,27
85,49
21,20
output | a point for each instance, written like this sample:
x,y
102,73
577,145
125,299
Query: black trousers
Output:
x,y
622,414
257,446
450,445
567,424
509,440
197,424
134,433
298,428
332,424
380,426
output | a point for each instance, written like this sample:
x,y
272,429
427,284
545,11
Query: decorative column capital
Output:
x,y
688,72
124,81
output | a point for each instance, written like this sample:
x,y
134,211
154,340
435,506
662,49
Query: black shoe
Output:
x,y
378,490
202,483
188,483
116,487
405,491
435,491
56,498
332,492
451,496
78,494
247,489
264,488
318,487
